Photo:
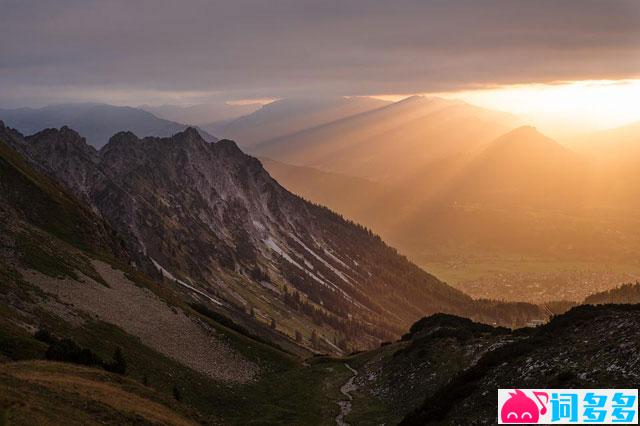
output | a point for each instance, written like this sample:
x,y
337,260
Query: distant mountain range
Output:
x,y
96,122
287,116
387,143
202,114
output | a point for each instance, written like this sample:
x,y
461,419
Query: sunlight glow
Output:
x,y
564,108
558,109
261,101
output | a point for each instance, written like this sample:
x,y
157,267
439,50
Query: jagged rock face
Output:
x,y
65,150
29,197
211,217
589,347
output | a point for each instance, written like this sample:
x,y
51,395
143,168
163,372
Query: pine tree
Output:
x,y
177,395
119,364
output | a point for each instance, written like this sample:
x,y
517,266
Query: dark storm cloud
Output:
x,y
257,48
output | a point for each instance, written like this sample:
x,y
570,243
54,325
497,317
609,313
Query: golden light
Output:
x,y
564,108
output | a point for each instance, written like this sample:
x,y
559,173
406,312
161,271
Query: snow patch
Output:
x,y
275,247
324,262
270,286
169,275
328,253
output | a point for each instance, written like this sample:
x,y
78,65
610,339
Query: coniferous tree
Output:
x,y
119,364
177,395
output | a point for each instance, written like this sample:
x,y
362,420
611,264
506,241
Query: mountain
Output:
x,y
72,298
287,116
96,122
588,347
446,369
201,114
210,218
391,141
523,168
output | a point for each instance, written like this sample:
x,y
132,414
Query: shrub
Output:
x,y
177,395
118,365
66,350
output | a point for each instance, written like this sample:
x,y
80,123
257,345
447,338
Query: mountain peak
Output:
x,y
526,130
413,99
190,132
65,136
229,146
120,138
526,136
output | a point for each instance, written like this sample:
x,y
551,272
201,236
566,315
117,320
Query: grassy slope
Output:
x,y
288,391
45,393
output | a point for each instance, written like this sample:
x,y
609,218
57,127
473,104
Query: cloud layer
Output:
x,y
148,49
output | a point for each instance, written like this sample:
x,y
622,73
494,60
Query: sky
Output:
x,y
197,51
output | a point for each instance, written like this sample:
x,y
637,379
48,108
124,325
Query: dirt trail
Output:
x,y
345,405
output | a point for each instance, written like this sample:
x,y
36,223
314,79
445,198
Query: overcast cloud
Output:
x,y
137,51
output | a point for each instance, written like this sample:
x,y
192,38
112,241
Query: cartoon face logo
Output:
x,y
519,408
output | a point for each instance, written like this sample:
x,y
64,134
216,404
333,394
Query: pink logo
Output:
x,y
519,408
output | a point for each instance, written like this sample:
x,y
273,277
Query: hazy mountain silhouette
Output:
x,y
287,116
201,114
96,122
390,141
